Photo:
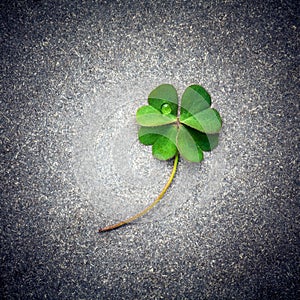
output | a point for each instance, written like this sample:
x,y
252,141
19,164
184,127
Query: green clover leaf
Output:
x,y
171,131
194,130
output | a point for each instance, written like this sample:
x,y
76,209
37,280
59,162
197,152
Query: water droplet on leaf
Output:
x,y
166,109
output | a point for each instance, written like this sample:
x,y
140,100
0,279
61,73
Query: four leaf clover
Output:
x,y
189,129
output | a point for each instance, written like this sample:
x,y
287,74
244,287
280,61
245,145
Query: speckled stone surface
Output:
x,y
73,74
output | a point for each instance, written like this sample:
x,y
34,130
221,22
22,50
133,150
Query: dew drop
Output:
x,y
166,109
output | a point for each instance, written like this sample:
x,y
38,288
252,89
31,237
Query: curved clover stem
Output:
x,y
143,212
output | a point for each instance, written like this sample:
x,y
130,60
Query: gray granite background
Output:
x,y
73,74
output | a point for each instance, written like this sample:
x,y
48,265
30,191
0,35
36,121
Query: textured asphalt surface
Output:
x,y
73,74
